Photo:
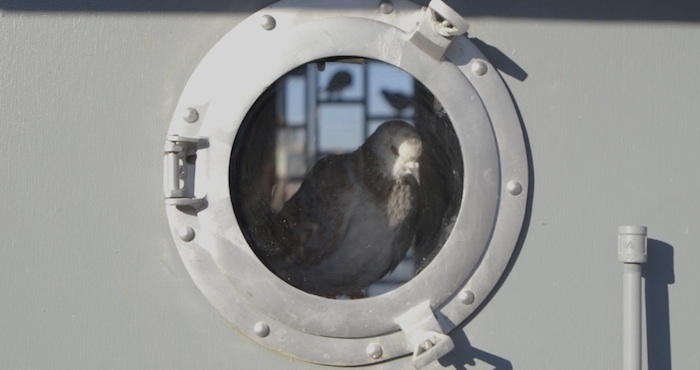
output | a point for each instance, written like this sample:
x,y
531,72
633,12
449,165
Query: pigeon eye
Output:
x,y
395,150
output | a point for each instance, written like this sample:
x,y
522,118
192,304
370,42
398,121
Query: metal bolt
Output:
x,y
268,22
466,297
190,115
186,233
514,187
386,6
374,350
479,68
261,329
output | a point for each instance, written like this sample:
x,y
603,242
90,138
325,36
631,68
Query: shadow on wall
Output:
x,y
161,6
596,10
465,355
500,60
591,10
658,275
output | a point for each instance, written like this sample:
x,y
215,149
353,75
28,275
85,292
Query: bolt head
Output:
x,y
479,67
386,6
186,233
268,22
514,187
466,297
190,115
374,350
261,329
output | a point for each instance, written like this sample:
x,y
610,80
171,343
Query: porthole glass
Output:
x,y
346,177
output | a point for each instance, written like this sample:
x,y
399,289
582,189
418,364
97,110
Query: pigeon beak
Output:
x,y
412,169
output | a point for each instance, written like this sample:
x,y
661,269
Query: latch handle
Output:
x,y
427,339
457,25
437,28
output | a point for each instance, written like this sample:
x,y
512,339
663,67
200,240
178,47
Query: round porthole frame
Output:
x,y
216,99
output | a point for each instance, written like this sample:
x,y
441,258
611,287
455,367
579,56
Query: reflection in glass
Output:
x,y
329,201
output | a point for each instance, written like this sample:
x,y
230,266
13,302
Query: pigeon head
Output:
x,y
397,147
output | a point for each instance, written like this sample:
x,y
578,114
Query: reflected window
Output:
x,y
346,177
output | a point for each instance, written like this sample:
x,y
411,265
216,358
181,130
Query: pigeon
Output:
x,y
353,218
339,82
397,100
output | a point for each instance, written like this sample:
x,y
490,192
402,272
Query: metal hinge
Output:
x,y
425,335
180,153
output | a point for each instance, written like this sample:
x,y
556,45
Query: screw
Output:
x,y
186,233
268,22
386,6
261,329
466,297
374,350
514,187
190,115
479,68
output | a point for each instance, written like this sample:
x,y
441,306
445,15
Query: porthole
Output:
x,y
325,111
269,146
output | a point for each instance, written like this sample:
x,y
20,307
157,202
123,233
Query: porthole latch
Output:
x,y
180,157
438,26
425,335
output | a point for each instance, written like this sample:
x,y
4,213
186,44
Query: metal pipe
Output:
x,y
632,251
632,316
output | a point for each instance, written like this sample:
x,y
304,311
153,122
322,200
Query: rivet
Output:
x,y
268,22
190,115
374,350
261,329
479,68
386,6
466,297
514,187
186,233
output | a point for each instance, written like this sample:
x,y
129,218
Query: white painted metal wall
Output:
x,y
90,278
